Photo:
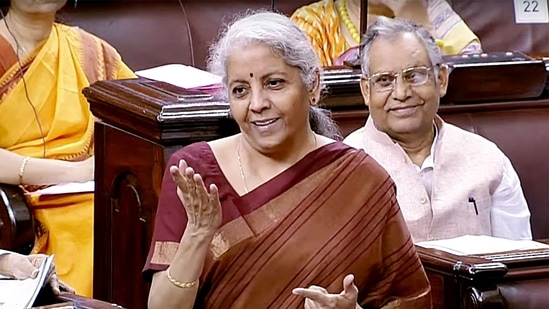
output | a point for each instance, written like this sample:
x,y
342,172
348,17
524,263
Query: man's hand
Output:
x,y
318,298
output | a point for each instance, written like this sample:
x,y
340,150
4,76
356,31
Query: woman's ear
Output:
x,y
314,91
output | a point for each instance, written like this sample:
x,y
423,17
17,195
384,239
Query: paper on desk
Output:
x,y
181,75
480,244
66,188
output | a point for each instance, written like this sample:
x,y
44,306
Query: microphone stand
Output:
x,y
363,17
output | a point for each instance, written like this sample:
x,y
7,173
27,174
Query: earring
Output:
x,y
75,3
313,101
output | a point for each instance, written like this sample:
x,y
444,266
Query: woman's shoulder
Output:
x,y
192,153
314,11
80,33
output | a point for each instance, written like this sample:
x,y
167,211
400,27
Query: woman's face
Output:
x,y
269,100
37,6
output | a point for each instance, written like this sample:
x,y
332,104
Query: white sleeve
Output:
x,y
510,214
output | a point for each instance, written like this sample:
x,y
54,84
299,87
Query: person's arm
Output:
x,y
38,171
186,267
177,286
509,213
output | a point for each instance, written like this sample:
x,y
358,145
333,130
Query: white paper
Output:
x,y
66,188
21,294
480,244
531,11
181,75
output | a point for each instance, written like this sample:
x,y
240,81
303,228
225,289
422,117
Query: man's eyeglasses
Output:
x,y
385,81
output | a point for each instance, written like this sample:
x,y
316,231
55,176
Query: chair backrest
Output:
x,y
16,221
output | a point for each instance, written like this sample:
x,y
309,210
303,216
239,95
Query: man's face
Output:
x,y
406,103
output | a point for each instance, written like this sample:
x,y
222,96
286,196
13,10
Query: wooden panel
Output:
x,y
129,175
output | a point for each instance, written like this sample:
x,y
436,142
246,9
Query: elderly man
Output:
x,y
450,182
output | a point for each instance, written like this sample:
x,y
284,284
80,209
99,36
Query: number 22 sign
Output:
x,y
531,11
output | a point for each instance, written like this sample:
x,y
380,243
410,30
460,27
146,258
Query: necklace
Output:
x,y
342,9
240,165
240,161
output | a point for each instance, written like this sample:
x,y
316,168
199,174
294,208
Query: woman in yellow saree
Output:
x,y
46,127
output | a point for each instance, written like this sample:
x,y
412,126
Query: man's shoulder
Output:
x,y
356,138
464,141
457,132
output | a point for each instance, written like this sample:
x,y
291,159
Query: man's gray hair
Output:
x,y
389,28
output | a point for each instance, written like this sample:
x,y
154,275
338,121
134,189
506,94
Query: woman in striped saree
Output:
x,y
280,215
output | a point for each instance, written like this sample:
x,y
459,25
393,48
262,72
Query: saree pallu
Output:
x,y
45,115
331,214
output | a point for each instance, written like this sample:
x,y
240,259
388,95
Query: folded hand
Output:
x,y
318,298
22,267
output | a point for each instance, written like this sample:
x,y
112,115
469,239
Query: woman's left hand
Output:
x,y
318,298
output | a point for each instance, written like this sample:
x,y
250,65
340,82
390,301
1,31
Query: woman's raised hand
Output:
x,y
202,205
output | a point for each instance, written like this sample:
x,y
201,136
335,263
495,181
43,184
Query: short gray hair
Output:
x,y
286,40
390,28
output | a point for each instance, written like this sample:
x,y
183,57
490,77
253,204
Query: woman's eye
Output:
x,y
239,91
273,83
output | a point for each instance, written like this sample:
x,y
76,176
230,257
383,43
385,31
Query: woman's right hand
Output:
x,y
202,206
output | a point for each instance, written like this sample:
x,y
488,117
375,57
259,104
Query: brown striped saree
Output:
x,y
333,213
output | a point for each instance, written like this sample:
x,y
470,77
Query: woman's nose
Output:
x,y
259,101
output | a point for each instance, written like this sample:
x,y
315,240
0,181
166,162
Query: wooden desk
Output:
x,y
46,299
481,282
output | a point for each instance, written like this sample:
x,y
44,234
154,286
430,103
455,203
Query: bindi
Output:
x,y
251,74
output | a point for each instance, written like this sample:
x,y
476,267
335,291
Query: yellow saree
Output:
x,y
55,121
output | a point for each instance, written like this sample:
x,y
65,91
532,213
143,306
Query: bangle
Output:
x,y
179,284
22,169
